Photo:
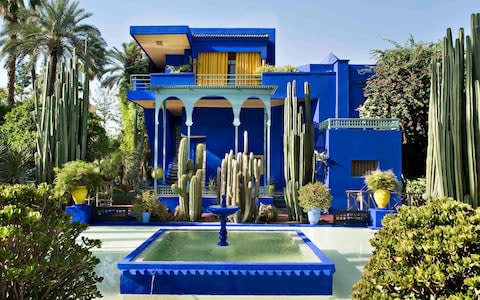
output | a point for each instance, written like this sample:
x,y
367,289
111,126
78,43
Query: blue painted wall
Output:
x,y
345,145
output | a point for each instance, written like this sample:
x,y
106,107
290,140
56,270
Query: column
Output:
x,y
236,102
164,142
155,145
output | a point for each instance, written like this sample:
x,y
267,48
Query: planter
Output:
x,y
79,194
314,215
382,198
271,189
146,216
377,215
79,213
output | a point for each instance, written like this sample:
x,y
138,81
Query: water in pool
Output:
x,y
246,246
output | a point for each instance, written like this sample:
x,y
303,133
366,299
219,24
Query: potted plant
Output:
x,y
381,183
314,198
146,206
211,185
271,188
77,178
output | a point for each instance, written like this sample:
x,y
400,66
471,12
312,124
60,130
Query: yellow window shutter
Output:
x,y
247,64
212,63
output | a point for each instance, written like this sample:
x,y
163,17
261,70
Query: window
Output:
x,y
363,167
232,65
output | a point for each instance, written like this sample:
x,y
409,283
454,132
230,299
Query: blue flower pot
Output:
x,y
314,215
146,217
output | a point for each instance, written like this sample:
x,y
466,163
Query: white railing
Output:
x,y
360,123
228,79
140,82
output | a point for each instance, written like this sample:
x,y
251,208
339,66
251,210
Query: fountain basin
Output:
x,y
260,262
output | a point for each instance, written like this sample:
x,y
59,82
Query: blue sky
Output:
x,y
307,30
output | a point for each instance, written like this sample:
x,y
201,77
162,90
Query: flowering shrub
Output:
x,y
314,195
425,252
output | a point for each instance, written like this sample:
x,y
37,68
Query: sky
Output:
x,y
306,30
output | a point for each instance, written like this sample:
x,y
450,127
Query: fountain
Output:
x,y
222,211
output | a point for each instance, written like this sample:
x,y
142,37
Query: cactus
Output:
x,y
453,153
61,119
298,148
239,179
190,181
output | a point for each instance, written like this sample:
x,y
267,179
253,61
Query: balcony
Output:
x,y
356,123
140,82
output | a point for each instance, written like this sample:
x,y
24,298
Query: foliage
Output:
x,y
147,202
267,214
121,197
110,165
74,174
400,89
107,109
212,182
179,69
98,143
381,180
314,195
426,252
270,68
19,126
41,254
56,29
14,162
416,185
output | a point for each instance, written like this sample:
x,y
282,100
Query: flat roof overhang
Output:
x,y
160,41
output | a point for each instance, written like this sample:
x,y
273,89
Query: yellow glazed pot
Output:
x,y
158,174
382,198
79,194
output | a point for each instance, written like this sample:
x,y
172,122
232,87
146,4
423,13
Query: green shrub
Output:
x,y
41,255
110,165
76,173
147,202
314,195
270,68
416,186
426,252
121,197
381,180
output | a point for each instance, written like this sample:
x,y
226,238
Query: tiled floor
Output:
x,y
348,248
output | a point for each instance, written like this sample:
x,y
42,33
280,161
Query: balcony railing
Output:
x,y
359,123
140,82
228,79
166,190
143,81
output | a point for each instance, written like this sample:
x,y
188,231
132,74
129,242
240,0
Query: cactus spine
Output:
x,y
239,180
298,148
453,153
61,119
190,181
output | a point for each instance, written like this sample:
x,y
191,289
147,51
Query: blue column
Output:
x,y
342,100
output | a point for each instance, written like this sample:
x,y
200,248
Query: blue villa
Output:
x,y
206,87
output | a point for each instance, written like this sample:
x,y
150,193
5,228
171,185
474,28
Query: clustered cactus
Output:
x,y
239,180
190,181
453,154
61,118
298,148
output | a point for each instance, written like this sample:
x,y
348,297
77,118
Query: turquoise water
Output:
x,y
348,248
251,246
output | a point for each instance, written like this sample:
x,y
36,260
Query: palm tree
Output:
x,y
9,12
57,30
123,63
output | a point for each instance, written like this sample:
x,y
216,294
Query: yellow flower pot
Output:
x,y
79,194
382,198
158,174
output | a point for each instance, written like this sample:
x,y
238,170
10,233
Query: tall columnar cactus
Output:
x,y
61,119
190,180
298,148
453,153
240,182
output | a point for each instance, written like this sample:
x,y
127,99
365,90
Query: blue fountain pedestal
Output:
x,y
223,212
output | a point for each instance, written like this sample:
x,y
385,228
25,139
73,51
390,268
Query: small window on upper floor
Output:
x,y
363,167
232,66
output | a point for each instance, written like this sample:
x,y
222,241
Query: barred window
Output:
x,y
363,167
